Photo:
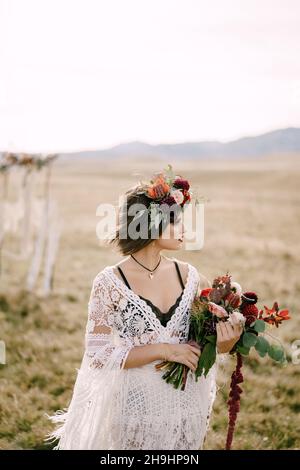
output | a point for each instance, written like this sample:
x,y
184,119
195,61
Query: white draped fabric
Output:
x,y
117,408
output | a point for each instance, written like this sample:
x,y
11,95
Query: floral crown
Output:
x,y
165,190
168,188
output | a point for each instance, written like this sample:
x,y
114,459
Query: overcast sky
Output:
x,y
88,74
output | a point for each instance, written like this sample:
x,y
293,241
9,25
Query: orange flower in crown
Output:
x,y
159,188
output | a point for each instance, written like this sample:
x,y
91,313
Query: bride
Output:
x,y
138,315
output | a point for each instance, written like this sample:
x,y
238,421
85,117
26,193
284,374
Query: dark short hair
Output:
x,y
127,245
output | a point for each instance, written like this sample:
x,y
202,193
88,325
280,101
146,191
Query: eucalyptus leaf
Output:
x,y
276,353
259,326
249,340
262,346
242,350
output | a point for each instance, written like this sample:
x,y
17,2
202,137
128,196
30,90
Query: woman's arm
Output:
x,y
141,355
184,353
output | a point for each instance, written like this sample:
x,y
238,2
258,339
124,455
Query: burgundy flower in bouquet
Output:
x,y
220,303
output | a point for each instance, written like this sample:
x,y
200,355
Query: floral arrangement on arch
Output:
x,y
26,160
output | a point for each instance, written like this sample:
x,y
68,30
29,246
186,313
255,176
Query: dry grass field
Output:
x,y
252,226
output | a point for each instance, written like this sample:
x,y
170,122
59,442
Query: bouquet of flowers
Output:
x,y
220,303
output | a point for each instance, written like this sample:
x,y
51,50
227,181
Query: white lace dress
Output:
x,y
117,408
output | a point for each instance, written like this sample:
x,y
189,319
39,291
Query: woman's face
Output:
x,y
172,237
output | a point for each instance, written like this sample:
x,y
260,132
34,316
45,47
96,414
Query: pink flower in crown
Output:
x,y
178,196
217,310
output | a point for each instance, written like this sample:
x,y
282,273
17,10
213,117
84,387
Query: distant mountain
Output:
x,y
279,141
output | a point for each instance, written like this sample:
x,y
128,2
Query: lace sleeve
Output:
x,y
103,347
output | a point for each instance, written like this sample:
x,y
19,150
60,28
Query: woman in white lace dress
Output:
x,y
138,315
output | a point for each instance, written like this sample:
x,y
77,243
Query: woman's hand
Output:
x,y
184,353
228,335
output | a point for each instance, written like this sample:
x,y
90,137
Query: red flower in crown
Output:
x,y
186,196
180,183
183,185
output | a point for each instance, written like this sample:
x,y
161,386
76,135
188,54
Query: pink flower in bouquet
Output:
x,y
217,310
236,316
233,298
236,287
